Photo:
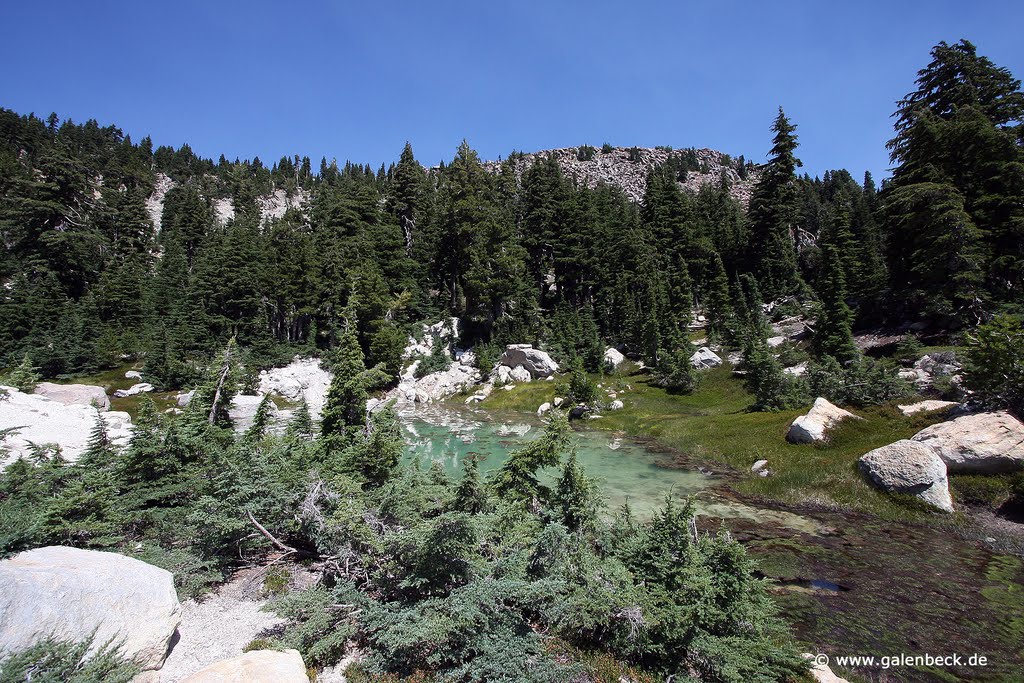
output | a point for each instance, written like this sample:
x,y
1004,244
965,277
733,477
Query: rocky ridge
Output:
x,y
615,168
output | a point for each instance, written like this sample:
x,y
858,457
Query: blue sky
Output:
x,y
355,81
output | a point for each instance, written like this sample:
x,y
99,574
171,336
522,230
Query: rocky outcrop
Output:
x,y
303,378
705,359
538,363
74,394
256,666
931,367
925,406
628,170
613,357
814,426
910,468
40,420
984,443
71,593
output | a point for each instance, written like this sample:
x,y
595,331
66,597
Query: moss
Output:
x,y
259,644
276,580
1005,592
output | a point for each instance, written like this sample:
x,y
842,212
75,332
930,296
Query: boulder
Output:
x,y
558,401
912,468
544,407
705,359
41,420
925,406
796,370
616,405
759,465
821,673
815,424
70,593
255,666
184,398
242,410
502,374
303,378
520,374
983,443
613,357
776,341
140,388
537,362
74,394
133,374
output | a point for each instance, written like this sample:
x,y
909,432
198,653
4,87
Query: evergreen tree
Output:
x,y
773,215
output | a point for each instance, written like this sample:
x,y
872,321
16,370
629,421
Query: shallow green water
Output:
x,y
626,469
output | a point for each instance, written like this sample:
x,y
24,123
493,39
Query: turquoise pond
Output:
x,y
626,469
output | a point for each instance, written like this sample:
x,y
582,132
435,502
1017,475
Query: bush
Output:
x,y
581,389
585,153
994,364
24,377
675,372
863,382
607,148
908,350
67,662
485,357
437,361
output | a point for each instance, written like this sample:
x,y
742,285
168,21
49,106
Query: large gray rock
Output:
x,y
140,388
705,359
925,406
40,420
613,357
536,362
814,426
303,378
984,443
912,468
74,394
256,666
69,593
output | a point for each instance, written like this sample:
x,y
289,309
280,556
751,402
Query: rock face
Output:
x,y
74,394
705,359
257,666
536,362
627,169
41,420
69,593
815,424
822,673
983,443
911,468
302,378
925,406
613,357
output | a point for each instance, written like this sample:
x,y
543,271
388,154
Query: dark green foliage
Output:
x,y
994,364
774,215
773,388
675,372
517,477
582,390
24,377
954,212
439,360
58,661
860,382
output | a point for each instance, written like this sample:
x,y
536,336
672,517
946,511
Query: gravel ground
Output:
x,y
218,627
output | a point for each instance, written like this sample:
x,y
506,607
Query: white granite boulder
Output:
x,y
983,443
538,363
705,359
925,406
303,378
256,666
814,426
613,357
39,420
911,468
70,593
74,394
140,388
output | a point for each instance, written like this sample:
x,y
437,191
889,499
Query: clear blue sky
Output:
x,y
356,80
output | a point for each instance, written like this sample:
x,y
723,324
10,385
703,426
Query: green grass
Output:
x,y
114,379
713,425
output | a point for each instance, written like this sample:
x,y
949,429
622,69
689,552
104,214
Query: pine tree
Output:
x,y
832,331
773,214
